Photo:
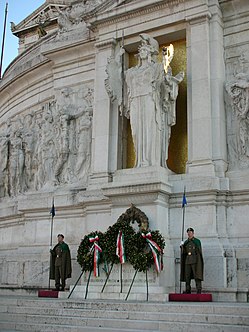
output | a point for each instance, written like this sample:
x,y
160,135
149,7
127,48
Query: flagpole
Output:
x,y
51,232
52,212
183,211
184,202
4,31
122,101
51,241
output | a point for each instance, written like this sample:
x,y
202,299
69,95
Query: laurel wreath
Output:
x,y
85,252
142,258
137,249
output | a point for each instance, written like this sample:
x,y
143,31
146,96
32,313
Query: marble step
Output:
x,y
54,315
169,327
92,317
108,295
241,309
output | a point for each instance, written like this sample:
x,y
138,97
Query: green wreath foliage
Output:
x,y
85,255
142,258
137,250
111,241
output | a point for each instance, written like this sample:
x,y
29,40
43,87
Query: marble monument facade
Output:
x,y
63,136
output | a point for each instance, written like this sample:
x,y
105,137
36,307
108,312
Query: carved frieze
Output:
x,y
238,121
49,147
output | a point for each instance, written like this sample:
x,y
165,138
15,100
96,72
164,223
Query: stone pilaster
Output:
x,y
199,95
219,153
104,154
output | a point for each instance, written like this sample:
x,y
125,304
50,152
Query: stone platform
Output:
x,y
29,314
190,297
48,293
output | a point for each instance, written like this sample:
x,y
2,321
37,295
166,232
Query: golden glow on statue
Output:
x,y
168,53
178,147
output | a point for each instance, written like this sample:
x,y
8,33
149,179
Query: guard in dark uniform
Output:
x,y
192,261
60,263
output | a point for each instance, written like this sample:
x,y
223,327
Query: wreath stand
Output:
x,y
148,250
81,274
107,278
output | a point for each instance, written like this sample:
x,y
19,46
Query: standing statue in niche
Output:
x,y
150,102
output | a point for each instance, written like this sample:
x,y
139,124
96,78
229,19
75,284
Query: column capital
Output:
x,y
198,18
102,44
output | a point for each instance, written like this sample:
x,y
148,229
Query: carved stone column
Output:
x,y
217,76
104,150
199,96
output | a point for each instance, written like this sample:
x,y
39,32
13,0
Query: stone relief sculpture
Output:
x,y
149,102
64,117
28,143
4,147
49,147
46,151
238,90
74,15
64,20
84,134
16,169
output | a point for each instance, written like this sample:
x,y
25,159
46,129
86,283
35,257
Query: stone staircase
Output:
x,y
19,313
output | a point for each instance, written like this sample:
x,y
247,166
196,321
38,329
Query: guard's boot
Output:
x,y
198,285
188,289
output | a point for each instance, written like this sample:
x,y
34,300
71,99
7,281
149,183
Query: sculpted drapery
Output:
x,y
238,133
149,103
48,147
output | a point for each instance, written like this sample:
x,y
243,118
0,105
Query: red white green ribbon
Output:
x,y
120,252
156,251
96,254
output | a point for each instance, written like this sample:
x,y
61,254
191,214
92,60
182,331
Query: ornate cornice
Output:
x,y
123,13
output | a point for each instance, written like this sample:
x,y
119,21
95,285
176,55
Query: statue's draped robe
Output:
x,y
148,97
147,116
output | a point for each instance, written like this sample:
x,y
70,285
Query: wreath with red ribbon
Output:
x,y
121,243
90,252
148,250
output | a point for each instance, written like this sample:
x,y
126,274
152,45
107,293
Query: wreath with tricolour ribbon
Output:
x,y
121,243
90,252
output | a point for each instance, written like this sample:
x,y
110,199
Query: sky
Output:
x,y
17,11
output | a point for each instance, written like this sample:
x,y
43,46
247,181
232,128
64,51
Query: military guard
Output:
x,y
60,263
192,264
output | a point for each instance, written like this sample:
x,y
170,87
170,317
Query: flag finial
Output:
x,y
184,199
52,211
